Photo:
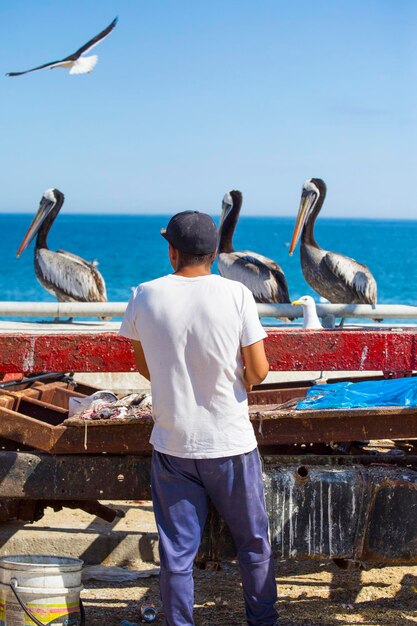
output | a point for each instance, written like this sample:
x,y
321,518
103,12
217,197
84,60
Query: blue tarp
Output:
x,y
395,392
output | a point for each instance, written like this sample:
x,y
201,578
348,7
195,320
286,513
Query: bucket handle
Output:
x,y
13,587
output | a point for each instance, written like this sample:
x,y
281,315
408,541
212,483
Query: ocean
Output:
x,y
130,250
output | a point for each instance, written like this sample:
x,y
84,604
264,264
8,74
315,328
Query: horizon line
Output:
x,y
241,217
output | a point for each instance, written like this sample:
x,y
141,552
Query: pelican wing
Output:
x,y
262,276
355,276
72,276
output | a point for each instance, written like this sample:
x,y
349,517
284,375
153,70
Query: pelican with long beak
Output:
x,y
63,274
334,276
261,275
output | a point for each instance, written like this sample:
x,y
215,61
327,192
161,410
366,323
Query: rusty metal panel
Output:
x,y
329,507
274,427
287,428
391,533
44,411
111,438
42,425
313,512
364,514
287,349
37,476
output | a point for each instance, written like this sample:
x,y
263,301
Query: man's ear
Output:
x,y
173,256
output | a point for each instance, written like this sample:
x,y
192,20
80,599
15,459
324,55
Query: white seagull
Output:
x,y
310,318
76,63
311,322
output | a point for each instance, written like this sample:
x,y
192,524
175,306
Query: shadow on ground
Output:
x,y
310,594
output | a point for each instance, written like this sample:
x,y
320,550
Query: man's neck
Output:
x,y
193,271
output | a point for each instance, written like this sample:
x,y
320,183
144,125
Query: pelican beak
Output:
x,y
295,303
307,200
227,206
45,208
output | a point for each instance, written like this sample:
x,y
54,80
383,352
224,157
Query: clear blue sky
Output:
x,y
192,98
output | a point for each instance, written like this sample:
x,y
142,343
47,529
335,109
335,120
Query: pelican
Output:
x,y
77,63
261,275
65,275
310,318
334,276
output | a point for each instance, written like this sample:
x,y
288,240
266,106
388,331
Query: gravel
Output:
x,y
311,593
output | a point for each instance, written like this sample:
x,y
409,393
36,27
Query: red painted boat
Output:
x,y
340,484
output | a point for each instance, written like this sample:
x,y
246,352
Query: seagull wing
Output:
x,y
72,275
39,67
262,276
356,276
93,42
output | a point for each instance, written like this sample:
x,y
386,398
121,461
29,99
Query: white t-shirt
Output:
x,y
192,331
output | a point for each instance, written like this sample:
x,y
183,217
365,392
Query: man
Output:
x,y
189,331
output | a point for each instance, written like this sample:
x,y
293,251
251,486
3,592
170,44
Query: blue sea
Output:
x,y
130,250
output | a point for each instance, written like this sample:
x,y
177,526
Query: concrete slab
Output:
x,y
40,327
128,541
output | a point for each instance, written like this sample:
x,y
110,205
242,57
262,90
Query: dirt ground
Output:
x,y
310,594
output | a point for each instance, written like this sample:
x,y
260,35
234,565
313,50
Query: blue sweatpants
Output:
x,y
234,485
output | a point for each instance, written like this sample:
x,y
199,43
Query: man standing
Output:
x,y
189,331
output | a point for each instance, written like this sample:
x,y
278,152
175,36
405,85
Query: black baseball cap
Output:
x,y
191,232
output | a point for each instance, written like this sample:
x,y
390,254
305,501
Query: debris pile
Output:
x,y
135,405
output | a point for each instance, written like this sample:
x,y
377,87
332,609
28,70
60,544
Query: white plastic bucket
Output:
x,y
48,586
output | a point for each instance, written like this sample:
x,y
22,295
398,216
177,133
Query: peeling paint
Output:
x,y
363,357
287,349
29,356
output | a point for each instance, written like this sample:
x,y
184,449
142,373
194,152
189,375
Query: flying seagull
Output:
x,y
77,63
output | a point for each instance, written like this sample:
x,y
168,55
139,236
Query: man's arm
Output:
x,y
256,364
140,360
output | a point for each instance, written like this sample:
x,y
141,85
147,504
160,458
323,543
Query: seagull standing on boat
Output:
x,y
76,63
310,317
261,275
311,322
63,274
334,276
